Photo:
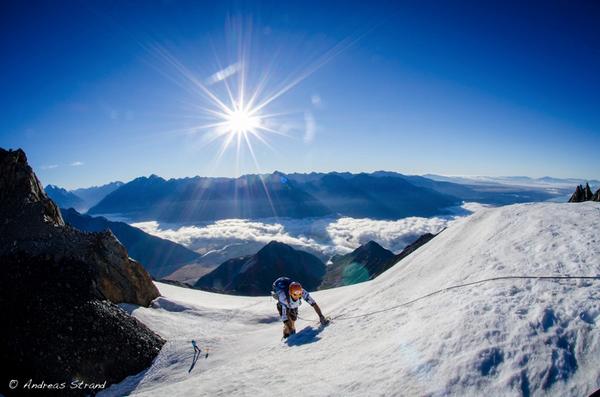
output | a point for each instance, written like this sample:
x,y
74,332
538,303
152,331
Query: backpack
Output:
x,y
281,284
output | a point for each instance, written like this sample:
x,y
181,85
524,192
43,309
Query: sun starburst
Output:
x,y
240,121
234,110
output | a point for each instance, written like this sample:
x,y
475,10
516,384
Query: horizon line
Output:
x,y
474,177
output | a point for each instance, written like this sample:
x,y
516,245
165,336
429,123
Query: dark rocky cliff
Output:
x,y
31,223
58,293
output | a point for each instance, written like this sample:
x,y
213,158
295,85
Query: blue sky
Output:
x,y
416,87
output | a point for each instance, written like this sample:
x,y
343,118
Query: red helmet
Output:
x,y
295,290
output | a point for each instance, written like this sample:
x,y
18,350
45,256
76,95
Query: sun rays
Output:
x,y
237,99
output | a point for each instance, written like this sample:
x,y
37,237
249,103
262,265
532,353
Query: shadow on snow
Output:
x,y
305,336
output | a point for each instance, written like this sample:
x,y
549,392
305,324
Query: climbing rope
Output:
x,y
439,291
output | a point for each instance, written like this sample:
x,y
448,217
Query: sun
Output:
x,y
242,121
237,107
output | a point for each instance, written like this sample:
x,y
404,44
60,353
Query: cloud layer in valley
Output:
x,y
325,236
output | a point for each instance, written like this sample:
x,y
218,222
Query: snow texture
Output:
x,y
526,337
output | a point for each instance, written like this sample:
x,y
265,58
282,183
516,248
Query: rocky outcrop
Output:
x,y
364,263
32,224
58,290
582,194
21,194
254,274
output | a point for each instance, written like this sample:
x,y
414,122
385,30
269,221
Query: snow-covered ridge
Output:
x,y
506,337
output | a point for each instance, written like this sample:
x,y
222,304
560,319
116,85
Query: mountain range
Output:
x,y
490,192
199,199
94,194
80,199
378,195
368,196
64,198
261,196
253,196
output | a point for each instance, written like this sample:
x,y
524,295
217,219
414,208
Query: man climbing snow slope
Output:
x,y
289,295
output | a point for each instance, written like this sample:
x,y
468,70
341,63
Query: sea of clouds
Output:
x,y
326,236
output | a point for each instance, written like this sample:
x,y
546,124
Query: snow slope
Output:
x,y
506,337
